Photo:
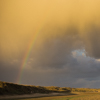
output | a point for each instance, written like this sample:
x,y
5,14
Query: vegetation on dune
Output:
x,y
11,88
84,90
58,89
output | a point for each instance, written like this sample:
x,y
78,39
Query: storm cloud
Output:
x,y
65,35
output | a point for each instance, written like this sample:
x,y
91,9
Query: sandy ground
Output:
x,y
32,95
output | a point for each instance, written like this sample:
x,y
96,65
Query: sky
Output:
x,y
50,42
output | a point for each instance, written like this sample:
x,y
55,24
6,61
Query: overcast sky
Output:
x,y
60,40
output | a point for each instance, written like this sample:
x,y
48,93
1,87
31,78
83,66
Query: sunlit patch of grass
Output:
x,y
82,97
90,97
67,98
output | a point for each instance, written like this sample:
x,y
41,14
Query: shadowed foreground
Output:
x,y
80,96
33,96
55,96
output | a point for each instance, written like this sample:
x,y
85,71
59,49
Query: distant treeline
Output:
x,y
11,88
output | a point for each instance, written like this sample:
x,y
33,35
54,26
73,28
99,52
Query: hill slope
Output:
x,y
11,88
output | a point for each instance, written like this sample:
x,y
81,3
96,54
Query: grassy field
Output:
x,y
81,96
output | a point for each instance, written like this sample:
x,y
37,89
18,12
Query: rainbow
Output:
x,y
26,55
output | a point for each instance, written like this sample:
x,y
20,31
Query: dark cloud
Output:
x,y
65,36
91,40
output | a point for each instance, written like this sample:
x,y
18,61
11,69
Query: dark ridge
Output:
x,y
16,89
12,89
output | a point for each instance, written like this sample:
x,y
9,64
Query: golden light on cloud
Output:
x,y
20,19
